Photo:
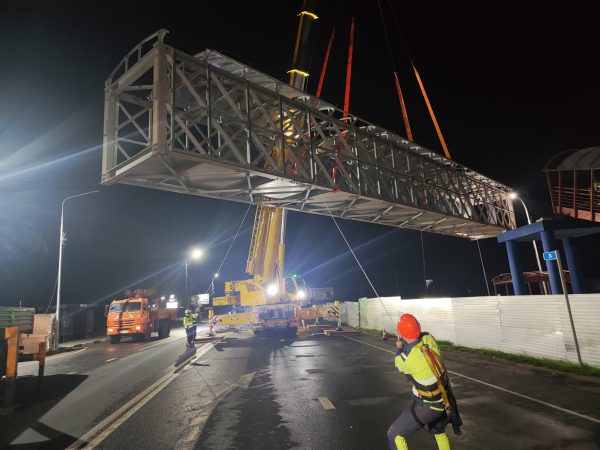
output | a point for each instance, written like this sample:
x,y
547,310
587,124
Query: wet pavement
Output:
x,y
209,407
277,392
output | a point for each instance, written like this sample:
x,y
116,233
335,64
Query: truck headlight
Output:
x,y
272,290
138,327
110,330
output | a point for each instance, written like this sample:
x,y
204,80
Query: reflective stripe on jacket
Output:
x,y
417,370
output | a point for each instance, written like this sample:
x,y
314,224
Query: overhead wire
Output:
x,y
230,246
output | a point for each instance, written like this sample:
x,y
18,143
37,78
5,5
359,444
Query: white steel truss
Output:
x,y
208,125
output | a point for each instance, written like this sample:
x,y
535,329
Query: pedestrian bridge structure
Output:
x,y
208,125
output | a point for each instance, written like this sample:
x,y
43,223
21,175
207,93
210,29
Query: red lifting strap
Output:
x,y
325,61
346,96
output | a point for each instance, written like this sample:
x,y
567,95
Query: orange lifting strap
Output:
x,y
430,109
403,106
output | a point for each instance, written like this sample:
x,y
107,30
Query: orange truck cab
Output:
x,y
138,316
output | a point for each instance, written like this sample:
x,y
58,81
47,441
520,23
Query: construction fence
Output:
x,y
534,325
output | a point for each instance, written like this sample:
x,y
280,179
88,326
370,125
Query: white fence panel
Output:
x,y
533,325
477,321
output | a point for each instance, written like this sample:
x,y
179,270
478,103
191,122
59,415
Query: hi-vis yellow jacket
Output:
x,y
411,361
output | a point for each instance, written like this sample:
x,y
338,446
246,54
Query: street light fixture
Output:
x,y
212,283
515,196
62,240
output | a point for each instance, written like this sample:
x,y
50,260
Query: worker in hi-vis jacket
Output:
x,y
189,323
433,405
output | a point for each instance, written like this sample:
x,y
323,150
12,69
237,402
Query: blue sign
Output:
x,y
550,256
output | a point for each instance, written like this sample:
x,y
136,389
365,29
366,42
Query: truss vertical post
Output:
x,y
159,100
109,156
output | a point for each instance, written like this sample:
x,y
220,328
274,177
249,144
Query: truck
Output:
x,y
138,315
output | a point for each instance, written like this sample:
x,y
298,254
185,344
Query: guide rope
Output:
x,y
230,246
487,285
358,262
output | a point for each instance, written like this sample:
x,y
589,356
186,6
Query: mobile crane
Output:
x,y
270,299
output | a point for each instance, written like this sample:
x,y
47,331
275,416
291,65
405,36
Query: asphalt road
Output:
x,y
278,393
310,393
83,386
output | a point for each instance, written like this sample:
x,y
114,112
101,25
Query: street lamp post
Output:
x,y
194,255
56,340
515,196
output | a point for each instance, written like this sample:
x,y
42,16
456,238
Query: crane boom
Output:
x,y
266,256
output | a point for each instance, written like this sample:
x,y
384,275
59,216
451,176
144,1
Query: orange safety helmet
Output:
x,y
408,327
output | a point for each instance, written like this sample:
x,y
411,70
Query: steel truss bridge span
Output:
x,y
208,125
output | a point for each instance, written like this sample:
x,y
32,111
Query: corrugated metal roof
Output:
x,y
585,159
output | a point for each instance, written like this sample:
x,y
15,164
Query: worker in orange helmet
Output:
x,y
433,405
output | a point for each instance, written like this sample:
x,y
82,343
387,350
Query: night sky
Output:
x,y
512,84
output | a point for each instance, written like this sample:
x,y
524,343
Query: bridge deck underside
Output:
x,y
209,126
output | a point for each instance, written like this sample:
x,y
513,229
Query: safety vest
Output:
x,y
418,370
188,321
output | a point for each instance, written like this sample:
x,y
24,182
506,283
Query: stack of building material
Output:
x,y
43,329
20,317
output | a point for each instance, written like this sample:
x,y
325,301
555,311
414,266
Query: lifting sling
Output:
x,y
436,365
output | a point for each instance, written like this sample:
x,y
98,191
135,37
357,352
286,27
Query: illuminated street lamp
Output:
x,y
195,254
62,240
212,283
515,196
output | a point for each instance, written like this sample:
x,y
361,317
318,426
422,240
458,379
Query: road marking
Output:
x,y
161,342
196,425
111,359
100,432
499,388
52,357
326,403
71,373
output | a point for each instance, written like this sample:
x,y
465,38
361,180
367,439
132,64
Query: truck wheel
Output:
x,y
114,339
168,328
147,334
162,329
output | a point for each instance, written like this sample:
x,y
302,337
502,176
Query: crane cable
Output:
x,y
419,81
357,261
396,80
230,246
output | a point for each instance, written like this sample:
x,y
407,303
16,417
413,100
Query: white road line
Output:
x,y
188,440
53,357
71,373
100,432
499,388
161,342
111,359
326,403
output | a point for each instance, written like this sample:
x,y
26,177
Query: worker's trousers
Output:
x,y
191,334
418,415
